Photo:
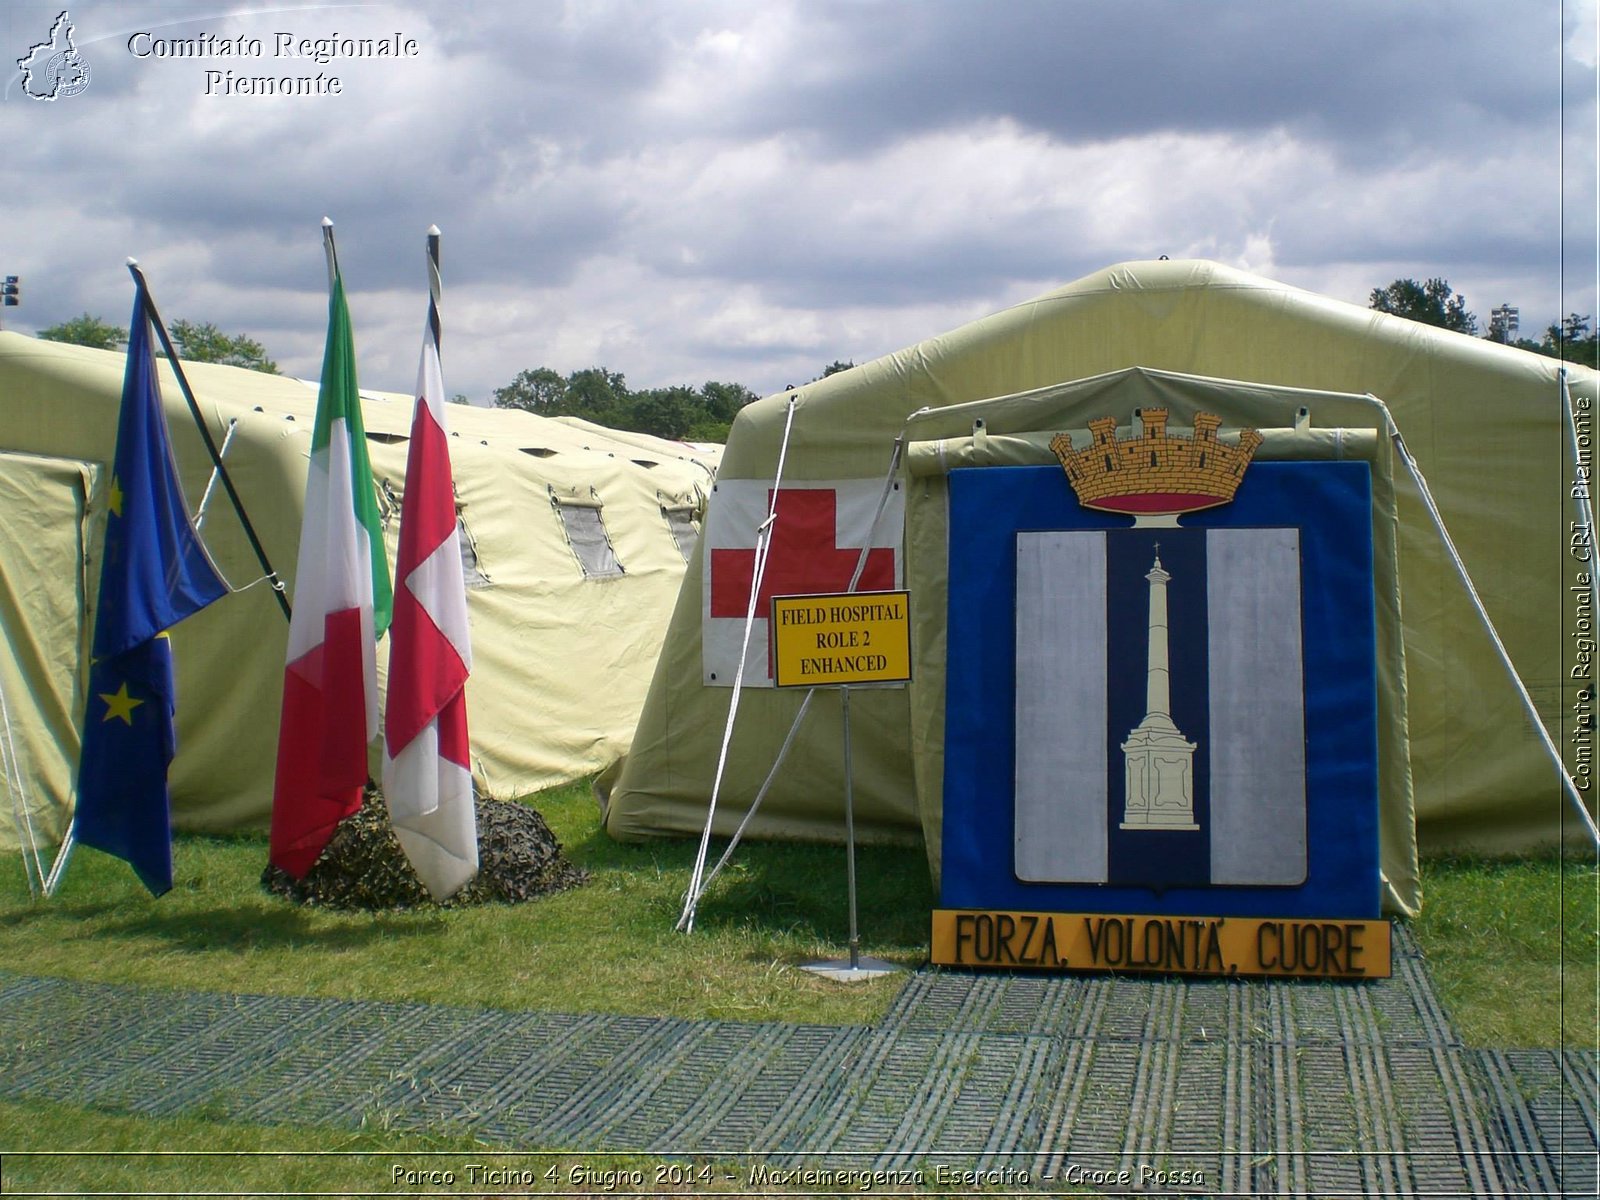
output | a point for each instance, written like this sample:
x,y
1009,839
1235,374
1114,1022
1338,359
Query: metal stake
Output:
x,y
850,831
857,969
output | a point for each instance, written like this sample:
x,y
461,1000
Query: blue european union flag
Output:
x,y
154,572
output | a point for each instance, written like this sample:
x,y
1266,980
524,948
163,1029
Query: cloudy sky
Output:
x,y
747,190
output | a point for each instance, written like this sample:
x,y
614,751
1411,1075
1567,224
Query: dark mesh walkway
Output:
x,y
1260,1088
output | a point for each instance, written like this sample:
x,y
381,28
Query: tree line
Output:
x,y
705,413
702,414
1432,302
195,341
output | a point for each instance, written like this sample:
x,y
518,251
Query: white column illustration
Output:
x,y
1160,761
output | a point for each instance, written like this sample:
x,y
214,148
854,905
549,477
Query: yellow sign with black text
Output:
x,y
1294,946
844,638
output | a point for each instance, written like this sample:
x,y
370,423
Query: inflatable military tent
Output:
x,y
576,541
1459,761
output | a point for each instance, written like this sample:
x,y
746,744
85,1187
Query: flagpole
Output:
x,y
330,252
435,286
149,306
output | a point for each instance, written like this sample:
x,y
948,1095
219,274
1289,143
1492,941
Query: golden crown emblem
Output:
x,y
1155,473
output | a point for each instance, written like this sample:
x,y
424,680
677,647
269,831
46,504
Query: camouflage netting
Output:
x,y
363,866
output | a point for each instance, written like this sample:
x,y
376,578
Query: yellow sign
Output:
x,y
1290,946
848,637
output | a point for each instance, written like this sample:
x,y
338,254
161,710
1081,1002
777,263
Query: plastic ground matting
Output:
x,y
1214,1087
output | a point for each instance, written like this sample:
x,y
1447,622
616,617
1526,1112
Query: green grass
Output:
x,y
608,946
1512,948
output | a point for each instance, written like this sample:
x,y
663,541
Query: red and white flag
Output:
x,y
341,608
817,540
427,775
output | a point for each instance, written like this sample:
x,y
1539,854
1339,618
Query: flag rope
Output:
x,y
699,887
435,287
1494,635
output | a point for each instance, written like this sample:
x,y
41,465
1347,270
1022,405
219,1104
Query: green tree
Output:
x,y
599,395
1431,303
602,396
836,366
666,412
539,390
460,398
87,331
1572,341
723,401
201,341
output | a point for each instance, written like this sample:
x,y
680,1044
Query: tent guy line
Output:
x,y
697,885
763,546
1569,785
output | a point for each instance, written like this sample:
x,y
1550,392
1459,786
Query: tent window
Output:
x,y
471,571
586,534
680,519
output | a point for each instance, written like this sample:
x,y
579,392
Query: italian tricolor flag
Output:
x,y
342,605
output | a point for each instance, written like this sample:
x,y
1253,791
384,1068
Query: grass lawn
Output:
x,y
608,946
1512,946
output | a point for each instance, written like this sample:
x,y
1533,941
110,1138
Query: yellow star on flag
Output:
x,y
120,704
116,496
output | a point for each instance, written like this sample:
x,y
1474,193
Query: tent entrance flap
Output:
x,y
44,615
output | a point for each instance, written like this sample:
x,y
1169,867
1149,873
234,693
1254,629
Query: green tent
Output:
x,y
576,543
1461,764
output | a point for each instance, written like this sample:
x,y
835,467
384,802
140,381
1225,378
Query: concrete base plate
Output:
x,y
841,971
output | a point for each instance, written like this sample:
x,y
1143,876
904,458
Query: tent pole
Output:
x,y
850,832
211,484
699,880
794,727
691,900
1494,636
63,856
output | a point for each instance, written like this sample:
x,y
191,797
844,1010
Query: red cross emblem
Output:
x,y
804,559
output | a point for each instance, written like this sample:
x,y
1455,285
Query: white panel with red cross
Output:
x,y
816,542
